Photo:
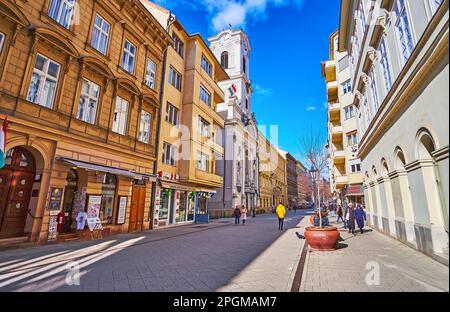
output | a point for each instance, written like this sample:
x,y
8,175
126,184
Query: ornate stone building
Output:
x,y
79,82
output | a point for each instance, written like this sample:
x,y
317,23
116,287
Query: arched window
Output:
x,y
425,144
384,167
224,59
374,172
400,160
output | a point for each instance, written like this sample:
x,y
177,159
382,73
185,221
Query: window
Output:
x,y
150,74
129,57
356,48
43,83
204,128
244,64
206,66
178,45
2,39
145,127
246,103
366,111
362,15
352,138
175,78
355,165
202,161
120,116
384,60
87,108
349,112
403,29
172,114
347,87
224,59
343,63
62,11
168,154
205,96
100,34
435,4
108,194
374,91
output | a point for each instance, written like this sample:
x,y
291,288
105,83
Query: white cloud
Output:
x,y
311,108
262,91
237,13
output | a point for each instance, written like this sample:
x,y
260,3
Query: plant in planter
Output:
x,y
319,236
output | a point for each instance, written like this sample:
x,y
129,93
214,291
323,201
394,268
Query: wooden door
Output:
x,y
15,192
137,208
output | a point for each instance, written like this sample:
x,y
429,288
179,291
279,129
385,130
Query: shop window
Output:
x,y
43,83
108,196
166,195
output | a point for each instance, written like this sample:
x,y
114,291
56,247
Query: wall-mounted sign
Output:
x,y
168,175
94,203
122,209
55,199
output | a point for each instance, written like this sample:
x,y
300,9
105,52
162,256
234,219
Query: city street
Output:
x,y
218,256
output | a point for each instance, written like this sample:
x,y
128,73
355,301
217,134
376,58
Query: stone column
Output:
x,y
387,205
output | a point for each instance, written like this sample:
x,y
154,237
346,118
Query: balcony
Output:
x,y
210,177
333,91
329,70
341,181
339,157
337,132
334,111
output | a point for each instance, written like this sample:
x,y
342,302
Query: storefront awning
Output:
x,y
112,170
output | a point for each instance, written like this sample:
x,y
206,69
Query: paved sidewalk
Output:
x,y
273,270
201,257
402,269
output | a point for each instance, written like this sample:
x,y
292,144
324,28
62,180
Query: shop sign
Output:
x,y
168,175
93,211
122,209
52,228
55,199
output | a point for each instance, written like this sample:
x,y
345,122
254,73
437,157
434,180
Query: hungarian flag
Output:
x,y
232,90
3,142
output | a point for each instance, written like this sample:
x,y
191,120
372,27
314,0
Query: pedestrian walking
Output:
x,y
244,212
237,215
350,217
339,214
295,208
360,216
281,213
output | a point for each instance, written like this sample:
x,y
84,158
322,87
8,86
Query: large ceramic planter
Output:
x,y
323,239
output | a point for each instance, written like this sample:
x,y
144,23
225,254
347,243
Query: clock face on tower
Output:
x,y
223,40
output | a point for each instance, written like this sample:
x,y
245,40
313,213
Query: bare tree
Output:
x,y
312,144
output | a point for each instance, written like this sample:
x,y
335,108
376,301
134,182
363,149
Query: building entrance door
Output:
x,y
16,184
69,194
137,208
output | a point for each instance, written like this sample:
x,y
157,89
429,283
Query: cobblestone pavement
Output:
x,y
402,269
214,257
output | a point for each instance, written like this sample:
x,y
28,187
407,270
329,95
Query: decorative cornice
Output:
x,y
418,164
441,154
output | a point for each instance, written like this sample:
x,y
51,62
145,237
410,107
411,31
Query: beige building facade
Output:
x,y
400,76
81,92
191,131
344,165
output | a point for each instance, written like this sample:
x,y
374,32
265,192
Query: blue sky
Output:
x,y
289,39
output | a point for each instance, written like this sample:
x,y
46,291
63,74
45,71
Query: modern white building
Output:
x,y
399,60
343,163
241,166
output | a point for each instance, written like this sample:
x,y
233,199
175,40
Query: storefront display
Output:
x,y
108,195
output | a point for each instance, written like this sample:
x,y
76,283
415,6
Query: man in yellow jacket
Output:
x,y
281,212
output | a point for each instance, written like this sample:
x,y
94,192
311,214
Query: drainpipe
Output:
x,y
170,20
